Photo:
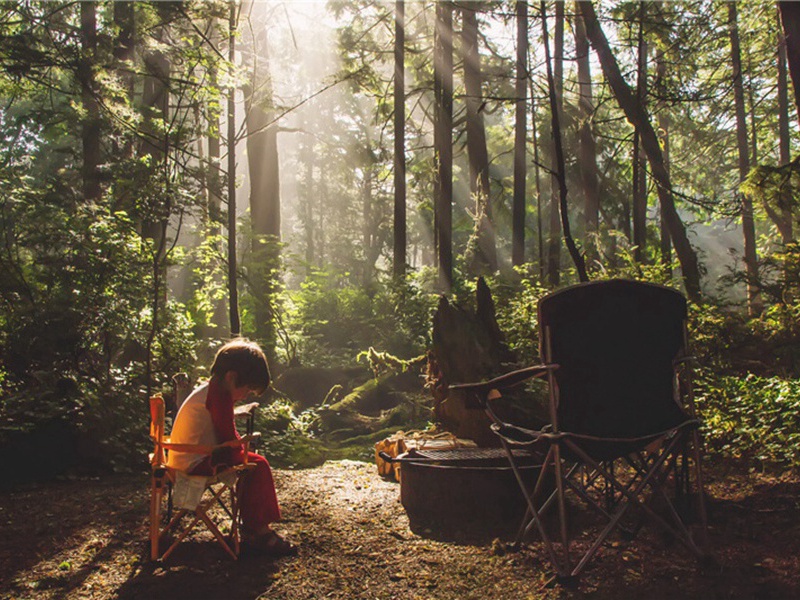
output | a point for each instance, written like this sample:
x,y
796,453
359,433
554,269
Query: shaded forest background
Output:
x,y
314,176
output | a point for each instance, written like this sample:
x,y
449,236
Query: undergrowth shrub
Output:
x,y
751,417
332,320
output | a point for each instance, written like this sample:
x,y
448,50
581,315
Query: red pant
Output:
x,y
258,502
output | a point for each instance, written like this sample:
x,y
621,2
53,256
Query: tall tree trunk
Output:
x,y
560,163
214,177
520,138
265,191
484,259
754,305
306,199
212,113
639,118
155,144
790,17
262,149
399,248
587,150
538,180
233,291
90,130
323,202
124,45
443,142
368,236
663,126
783,219
557,82
639,172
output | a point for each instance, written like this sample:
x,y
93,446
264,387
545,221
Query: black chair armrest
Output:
x,y
504,381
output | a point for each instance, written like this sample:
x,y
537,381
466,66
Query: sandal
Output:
x,y
269,544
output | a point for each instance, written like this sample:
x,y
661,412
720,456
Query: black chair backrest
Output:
x,y
615,342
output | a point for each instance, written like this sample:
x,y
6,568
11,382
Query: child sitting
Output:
x,y
206,418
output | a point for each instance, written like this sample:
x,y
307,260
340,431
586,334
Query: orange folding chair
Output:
x,y
188,498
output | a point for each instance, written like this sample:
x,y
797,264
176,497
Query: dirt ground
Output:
x,y
87,539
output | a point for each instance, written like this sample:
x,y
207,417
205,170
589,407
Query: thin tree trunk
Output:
x,y
399,255
783,220
308,204
664,126
214,179
233,292
368,239
790,17
538,180
639,118
556,82
560,164
485,258
520,138
639,172
90,130
323,202
587,149
754,305
443,133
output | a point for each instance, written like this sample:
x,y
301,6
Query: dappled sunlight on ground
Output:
x,y
87,539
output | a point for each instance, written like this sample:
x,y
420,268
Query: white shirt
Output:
x,y
192,426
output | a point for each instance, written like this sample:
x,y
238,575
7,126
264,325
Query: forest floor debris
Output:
x,y
87,539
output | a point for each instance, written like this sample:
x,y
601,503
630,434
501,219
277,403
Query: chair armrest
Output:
x,y
251,437
505,381
245,410
189,448
691,359
200,449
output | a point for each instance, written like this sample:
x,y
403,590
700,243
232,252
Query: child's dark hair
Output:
x,y
247,360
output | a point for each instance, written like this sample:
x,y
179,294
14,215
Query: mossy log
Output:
x,y
369,405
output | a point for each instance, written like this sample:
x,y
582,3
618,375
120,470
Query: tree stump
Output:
x,y
468,346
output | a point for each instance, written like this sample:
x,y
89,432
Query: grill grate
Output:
x,y
459,454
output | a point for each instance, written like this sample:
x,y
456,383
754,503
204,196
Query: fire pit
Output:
x,y
464,489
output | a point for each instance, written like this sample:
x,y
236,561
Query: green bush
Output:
x,y
332,321
752,417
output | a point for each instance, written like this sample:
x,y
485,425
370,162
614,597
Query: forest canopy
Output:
x,y
315,175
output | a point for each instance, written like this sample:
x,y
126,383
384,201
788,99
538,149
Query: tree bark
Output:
x,y
233,292
90,130
639,118
520,138
556,80
443,142
664,126
639,172
399,249
754,305
538,181
783,219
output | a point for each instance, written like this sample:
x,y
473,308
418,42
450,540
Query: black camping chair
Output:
x,y
623,429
